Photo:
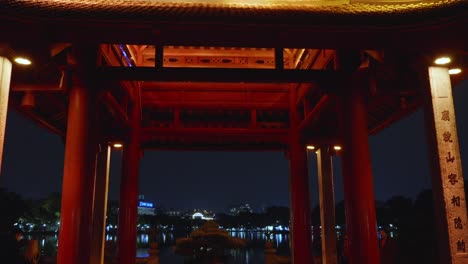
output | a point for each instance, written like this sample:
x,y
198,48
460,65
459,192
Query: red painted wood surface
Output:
x,y
78,182
358,184
127,224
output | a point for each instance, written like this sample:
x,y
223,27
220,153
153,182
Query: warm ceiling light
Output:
x,y
455,71
22,61
337,147
310,147
442,60
117,145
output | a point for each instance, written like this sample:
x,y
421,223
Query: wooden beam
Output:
x,y
215,105
253,118
279,59
114,108
216,75
262,134
397,115
37,87
321,104
215,86
159,56
39,120
205,51
209,146
320,140
303,90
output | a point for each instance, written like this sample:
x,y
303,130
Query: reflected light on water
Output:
x,y
253,254
144,239
111,238
279,239
240,234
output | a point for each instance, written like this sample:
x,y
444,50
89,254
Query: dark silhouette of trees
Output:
x,y
43,213
12,207
226,221
278,215
421,233
395,211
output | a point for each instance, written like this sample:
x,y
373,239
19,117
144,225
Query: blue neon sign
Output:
x,y
145,204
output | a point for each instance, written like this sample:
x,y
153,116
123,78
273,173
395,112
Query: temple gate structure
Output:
x,y
275,75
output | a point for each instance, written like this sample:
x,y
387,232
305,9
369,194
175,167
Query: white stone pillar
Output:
x,y
447,177
5,78
327,205
101,188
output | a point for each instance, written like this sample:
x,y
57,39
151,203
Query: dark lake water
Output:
x,y
253,253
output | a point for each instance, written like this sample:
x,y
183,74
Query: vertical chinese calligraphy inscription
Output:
x,y
447,177
5,77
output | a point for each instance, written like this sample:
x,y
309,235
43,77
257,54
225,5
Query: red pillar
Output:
x,y
358,186
129,188
78,180
301,236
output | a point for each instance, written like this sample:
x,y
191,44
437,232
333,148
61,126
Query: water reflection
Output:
x,y
252,254
142,239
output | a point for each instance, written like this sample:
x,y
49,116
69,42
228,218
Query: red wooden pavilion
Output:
x,y
257,75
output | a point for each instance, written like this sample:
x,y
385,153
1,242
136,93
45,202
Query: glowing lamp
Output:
x,y
455,71
337,147
22,61
117,145
310,147
442,60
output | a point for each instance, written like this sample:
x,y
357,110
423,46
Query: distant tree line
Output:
x,y
41,215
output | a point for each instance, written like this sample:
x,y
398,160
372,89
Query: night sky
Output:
x,y
33,167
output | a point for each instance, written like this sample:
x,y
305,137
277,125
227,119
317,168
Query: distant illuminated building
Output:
x,y
145,207
244,208
202,214
173,212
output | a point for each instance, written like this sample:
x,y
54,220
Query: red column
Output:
x,y
301,237
358,186
129,188
78,180
300,204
